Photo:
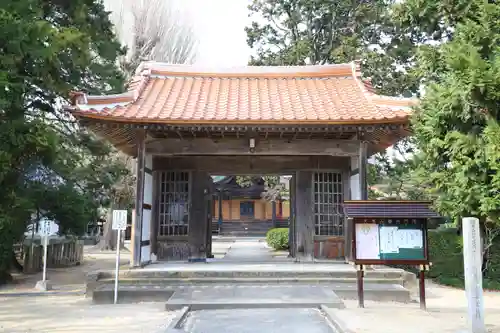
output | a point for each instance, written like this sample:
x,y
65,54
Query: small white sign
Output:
x,y
119,220
46,227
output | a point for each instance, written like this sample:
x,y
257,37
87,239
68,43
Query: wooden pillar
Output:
x,y
147,205
304,211
139,199
273,212
198,226
363,181
220,193
348,227
155,223
292,233
208,214
362,167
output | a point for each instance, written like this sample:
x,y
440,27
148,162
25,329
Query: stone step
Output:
x,y
251,233
232,272
258,228
253,296
147,293
245,280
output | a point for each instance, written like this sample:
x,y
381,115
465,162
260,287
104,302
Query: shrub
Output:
x,y
277,238
445,252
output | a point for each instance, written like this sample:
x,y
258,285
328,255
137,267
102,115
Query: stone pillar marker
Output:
x,y
473,274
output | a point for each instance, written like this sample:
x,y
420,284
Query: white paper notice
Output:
x,y
410,239
388,240
367,241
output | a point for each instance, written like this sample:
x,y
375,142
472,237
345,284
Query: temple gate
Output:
x,y
184,124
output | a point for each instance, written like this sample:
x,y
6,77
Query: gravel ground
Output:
x,y
72,278
447,313
53,314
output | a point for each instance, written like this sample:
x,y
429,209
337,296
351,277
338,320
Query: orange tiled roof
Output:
x,y
162,93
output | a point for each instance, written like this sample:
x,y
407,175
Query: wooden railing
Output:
x,y
60,253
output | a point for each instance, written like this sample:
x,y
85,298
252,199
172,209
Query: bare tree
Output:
x,y
122,197
153,30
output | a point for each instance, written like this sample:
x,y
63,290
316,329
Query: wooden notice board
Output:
x,y
390,240
388,232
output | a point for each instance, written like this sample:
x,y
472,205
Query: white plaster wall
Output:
x,y
354,185
146,227
145,254
148,189
149,161
354,180
146,224
146,213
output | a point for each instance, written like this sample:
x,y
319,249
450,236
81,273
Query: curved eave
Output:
x,y
110,118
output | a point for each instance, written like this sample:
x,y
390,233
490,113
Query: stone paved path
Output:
x,y
249,250
257,320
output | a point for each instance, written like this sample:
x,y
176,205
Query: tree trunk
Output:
x,y
108,239
15,264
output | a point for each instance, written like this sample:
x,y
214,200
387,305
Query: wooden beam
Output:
x,y
362,167
272,147
257,165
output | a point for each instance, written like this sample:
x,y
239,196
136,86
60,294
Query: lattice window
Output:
x,y
328,214
173,203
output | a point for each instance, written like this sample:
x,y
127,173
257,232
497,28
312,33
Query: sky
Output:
x,y
219,26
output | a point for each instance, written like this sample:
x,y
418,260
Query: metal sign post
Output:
x,y
44,230
119,224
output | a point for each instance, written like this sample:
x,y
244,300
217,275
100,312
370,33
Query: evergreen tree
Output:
x,y
457,123
312,32
299,32
50,48
454,122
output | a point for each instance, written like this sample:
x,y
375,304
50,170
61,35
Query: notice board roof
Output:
x,y
388,209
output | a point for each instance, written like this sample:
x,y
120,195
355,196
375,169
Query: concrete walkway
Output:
x,y
249,250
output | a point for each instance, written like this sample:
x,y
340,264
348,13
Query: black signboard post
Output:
x,y
388,233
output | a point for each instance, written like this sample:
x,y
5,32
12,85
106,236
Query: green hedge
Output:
x,y
445,251
277,238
